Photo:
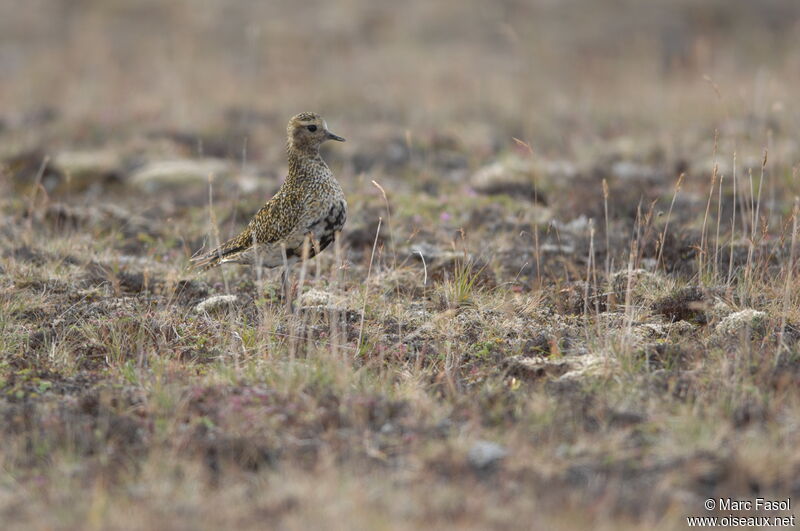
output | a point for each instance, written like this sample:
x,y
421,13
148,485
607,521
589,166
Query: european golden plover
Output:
x,y
310,202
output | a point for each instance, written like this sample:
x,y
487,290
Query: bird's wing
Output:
x,y
273,222
225,252
278,218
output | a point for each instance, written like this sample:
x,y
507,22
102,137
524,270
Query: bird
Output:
x,y
309,204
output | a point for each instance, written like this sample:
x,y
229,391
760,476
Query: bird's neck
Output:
x,y
302,151
300,157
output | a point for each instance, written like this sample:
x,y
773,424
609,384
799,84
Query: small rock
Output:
x,y
663,330
631,171
681,328
653,330
85,168
536,367
431,252
484,455
557,248
323,302
720,310
315,297
644,285
587,366
514,176
745,319
173,173
559,170
579,225
215,303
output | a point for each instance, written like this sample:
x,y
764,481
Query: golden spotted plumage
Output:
x,y
309,202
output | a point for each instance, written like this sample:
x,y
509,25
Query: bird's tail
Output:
x,y
224,253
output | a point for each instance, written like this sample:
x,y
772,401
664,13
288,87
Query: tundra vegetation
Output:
x,y
567,293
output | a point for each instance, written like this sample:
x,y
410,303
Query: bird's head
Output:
x,y
307,131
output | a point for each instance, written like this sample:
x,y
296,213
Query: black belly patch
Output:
x,y
330,224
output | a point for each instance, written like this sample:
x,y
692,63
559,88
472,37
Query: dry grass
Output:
x,y
597,325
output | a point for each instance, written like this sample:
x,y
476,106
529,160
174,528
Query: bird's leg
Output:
x,y
286,286
287,293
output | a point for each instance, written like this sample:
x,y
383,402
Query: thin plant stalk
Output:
x,y
703,243
716,238
678,185
733,224
608,230
37,185
366,288
787,290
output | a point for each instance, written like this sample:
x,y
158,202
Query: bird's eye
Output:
x,y
311,128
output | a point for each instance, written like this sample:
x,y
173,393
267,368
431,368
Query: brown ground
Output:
x,y
582,308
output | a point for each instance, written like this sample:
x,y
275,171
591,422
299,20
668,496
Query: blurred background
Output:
x,y
511,67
